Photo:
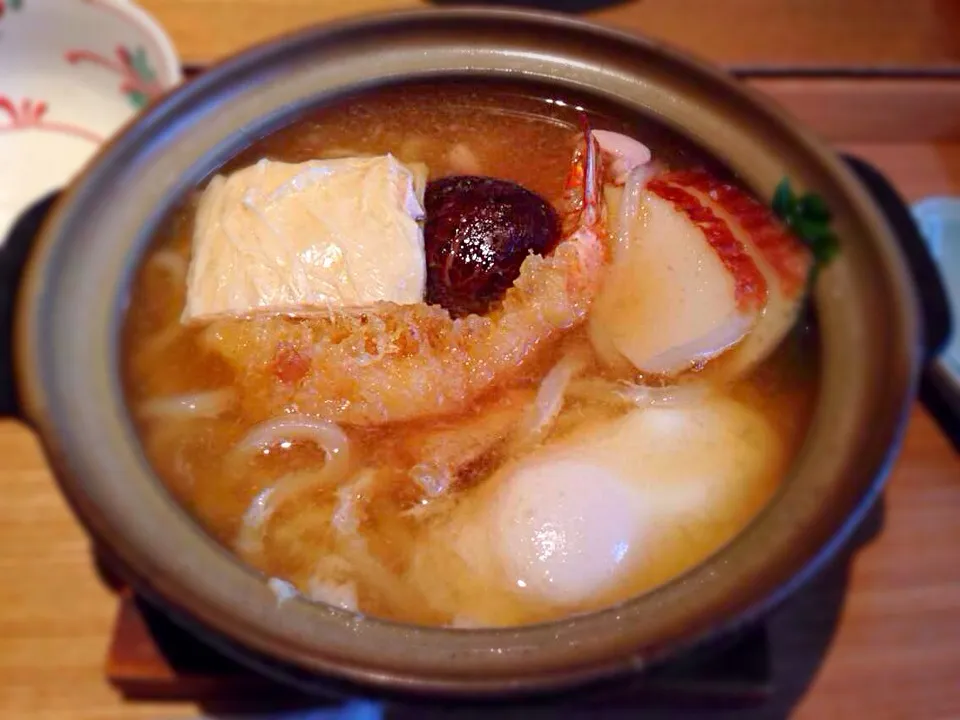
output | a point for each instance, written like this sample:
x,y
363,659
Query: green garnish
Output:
x,y
809,217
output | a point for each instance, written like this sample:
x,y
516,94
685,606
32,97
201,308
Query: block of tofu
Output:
x,y
277,236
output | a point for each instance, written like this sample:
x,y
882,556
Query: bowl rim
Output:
x,y
147,26
457,662
163,43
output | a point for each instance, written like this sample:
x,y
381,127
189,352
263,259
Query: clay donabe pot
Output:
x,y
76,284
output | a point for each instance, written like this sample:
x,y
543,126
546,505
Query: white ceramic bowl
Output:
x,y
72,72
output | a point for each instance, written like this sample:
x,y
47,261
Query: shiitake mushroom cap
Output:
x,y
477,234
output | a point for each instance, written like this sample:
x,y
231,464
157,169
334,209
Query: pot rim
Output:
x,y
449,661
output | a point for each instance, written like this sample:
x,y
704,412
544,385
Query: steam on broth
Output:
x,y
441,355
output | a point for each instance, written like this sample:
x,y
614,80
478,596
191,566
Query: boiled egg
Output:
x,y
565,526
621,506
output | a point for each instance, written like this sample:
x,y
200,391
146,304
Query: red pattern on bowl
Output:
x,y
74,72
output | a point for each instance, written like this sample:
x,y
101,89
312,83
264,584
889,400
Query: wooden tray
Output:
x,y
152,658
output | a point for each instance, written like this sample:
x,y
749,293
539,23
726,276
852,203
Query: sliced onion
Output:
x,y
626,393
667,396
703,348
596,390
209,404
332,583
345,519
548,403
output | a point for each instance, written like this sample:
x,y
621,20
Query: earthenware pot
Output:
x,y
76,284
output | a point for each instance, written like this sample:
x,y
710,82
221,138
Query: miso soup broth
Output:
x,y
433,355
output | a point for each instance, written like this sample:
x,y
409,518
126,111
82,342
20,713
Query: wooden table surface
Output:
x,y
891,648
905,35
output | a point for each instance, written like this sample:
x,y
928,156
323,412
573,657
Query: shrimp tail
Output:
x,y
591,179
584,181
